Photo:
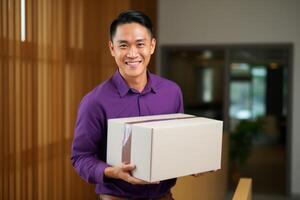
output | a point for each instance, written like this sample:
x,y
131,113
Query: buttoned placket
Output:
x,y
141,108
139,103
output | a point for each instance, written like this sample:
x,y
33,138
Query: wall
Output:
x,y
232,22
42,80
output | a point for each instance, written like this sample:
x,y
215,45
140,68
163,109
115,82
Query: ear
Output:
x,y
111,48
152,45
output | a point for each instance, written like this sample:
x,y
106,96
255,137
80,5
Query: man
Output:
x,y
131,91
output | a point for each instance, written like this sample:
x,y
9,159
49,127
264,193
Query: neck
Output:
x,y
137,83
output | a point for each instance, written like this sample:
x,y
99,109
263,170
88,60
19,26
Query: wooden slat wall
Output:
x,y
42,81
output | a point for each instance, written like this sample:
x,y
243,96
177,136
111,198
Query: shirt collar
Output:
x,y
123,88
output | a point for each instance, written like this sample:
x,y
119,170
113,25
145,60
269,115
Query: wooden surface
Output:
x,y
42,81
243,190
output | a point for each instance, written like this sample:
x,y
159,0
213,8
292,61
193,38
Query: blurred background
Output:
x,y
236,61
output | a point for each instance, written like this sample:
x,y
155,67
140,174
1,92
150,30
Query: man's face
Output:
x,y
132,47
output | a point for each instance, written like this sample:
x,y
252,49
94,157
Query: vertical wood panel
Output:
x,y
2,100
2,89
42,82
2,110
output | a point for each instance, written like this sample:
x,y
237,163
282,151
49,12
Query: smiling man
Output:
x,y
131,91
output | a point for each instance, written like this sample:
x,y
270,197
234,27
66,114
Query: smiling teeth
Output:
x,y
133,63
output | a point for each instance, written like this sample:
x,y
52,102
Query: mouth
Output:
x,y
133,64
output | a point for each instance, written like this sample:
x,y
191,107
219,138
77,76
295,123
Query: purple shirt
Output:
x,y
114,99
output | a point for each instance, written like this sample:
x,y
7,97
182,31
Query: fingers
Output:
x,y
127,167
136,181
124,173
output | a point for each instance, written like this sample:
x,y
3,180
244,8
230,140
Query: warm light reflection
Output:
x,y
23,21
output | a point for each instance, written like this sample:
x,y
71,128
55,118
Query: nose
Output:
x,y
132,52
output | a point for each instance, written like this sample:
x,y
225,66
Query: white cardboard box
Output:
x,y
164,146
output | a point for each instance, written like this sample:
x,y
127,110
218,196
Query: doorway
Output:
x,y
249,88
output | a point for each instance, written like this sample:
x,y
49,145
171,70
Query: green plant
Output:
x,y
241,141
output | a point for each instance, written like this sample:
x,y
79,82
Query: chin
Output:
x,y
134,72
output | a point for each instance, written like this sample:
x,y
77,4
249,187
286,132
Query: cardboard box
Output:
x,y
165,146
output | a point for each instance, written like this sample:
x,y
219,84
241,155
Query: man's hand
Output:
x,y
123,172
201,174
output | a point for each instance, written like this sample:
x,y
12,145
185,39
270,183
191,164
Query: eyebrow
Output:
x,y
122,41
140,40
125,41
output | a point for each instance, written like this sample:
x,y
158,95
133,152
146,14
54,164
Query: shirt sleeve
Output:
x,y
89,135
180,108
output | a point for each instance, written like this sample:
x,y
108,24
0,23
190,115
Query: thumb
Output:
x,y
127,167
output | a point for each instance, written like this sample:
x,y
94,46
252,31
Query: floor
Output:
x,y
266,197
272,197
267,168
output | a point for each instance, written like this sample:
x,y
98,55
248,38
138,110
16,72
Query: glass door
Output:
x,y
247,87
257,116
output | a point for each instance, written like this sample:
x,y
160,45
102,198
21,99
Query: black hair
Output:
x,y
131,16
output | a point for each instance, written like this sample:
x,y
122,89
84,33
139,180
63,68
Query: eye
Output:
x,y
122,46
141,44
